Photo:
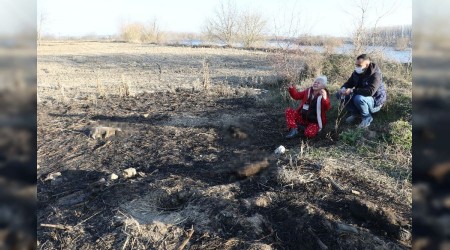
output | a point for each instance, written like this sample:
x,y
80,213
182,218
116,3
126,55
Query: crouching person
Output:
x,y
310,117
364,92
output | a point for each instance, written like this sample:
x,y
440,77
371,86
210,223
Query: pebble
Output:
x,y
280,150
113,177
129,173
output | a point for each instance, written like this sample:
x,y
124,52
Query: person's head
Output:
x,y
320,83
362,63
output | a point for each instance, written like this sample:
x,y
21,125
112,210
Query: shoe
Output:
x,y
365,122
292,133
351,118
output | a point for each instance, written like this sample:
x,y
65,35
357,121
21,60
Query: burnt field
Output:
x,y
206,175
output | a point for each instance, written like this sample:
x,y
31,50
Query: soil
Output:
x,y
187,147
204,158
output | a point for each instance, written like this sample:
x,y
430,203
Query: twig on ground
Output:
x,y
126,242
57,226
335,185
185,241
319,242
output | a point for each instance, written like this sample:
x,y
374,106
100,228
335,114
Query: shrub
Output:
x,y
132,32
139,32
400,134
352,136
397,107
402,43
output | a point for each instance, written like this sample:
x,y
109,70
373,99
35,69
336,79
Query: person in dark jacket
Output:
x,y
364,91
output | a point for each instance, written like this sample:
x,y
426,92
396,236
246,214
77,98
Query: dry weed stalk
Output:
x,y
159,71
341,113
61,90
206,75
124,88
101,90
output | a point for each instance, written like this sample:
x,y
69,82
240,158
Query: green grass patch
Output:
x,y
400,134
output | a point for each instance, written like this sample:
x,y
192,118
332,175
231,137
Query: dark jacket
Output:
x,y
369,83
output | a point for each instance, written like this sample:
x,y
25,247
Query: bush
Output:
x,y
138,32
352,136
398,106
338,68
132,32
402,44
400,134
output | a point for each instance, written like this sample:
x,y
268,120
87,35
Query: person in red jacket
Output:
x,y
310,116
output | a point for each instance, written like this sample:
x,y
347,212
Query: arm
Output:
x,y
371,88
295,94
349,83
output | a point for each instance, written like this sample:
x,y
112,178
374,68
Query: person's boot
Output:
x,y
293,132
351,119
366,122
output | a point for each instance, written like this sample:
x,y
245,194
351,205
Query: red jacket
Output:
x,y
322,105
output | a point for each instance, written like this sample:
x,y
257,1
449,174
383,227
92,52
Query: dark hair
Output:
x,y
364,57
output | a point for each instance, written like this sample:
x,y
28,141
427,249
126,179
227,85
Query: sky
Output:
x,y
104,17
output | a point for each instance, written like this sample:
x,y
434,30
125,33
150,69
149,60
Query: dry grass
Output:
x,y
149,68
124,87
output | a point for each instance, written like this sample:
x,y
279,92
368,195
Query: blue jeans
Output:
x,y
360,105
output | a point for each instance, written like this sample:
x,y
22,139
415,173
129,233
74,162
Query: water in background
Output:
x,y
390,53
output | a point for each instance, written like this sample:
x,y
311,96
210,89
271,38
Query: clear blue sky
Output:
x,y
104,17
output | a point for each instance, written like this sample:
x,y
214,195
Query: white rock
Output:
x,y
113,177
52,176
280,150
129,172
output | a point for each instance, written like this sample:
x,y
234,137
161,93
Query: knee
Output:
x,y
311,130
358,99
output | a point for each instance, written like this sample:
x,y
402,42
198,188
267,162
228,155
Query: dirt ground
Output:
x,y
206,172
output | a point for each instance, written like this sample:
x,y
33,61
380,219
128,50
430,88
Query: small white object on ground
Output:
x,y
113,177
355,192
280,150
129,172
52,176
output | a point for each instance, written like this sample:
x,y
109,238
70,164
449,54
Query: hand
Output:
x,y
323,93
346,92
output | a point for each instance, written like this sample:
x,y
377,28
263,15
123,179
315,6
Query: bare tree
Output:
x,y
291,62
359,33
367,15
251,28
152,32
224,26
42,21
